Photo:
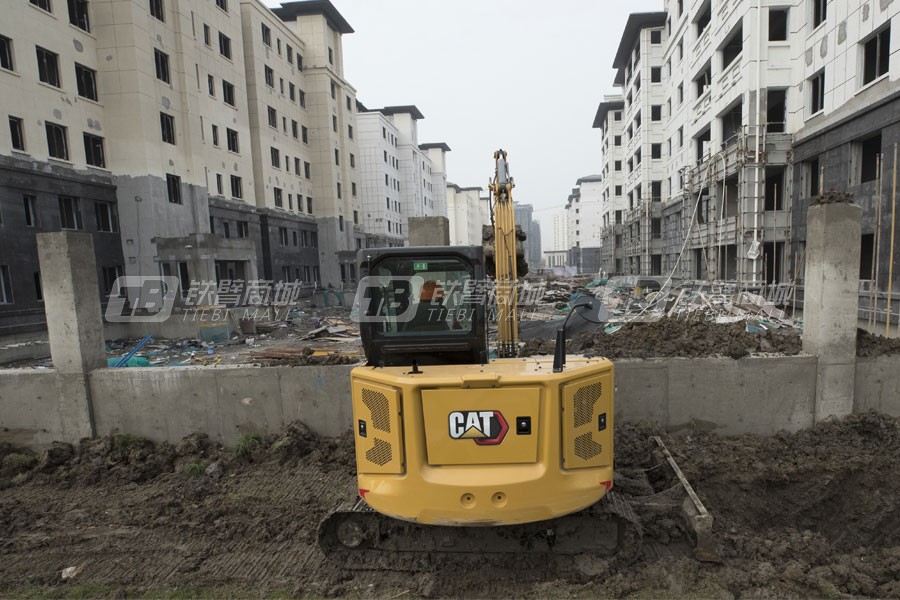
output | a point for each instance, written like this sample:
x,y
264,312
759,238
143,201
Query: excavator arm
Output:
x,y
505,260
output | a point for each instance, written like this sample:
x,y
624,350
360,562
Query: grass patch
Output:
x,y
195,469
121,442
245,446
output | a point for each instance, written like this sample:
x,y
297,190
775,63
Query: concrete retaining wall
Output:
x,y
751,395
878,385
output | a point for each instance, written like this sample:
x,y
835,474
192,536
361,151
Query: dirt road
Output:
x,y
816,514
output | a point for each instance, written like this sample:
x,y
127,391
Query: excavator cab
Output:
x,y
422,306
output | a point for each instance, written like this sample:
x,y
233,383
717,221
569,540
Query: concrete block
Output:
x,y
642,390
835,384
429,231
159,403
318,396
877,385
249,401
40,407
74,321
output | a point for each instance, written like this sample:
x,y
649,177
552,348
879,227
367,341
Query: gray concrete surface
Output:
x,y
751,395
429,231
39,407
69,281
831,297
878,385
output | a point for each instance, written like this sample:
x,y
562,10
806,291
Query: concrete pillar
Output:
x,y
429,231
831,301
72,301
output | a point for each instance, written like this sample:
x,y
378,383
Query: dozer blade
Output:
x,y
362,539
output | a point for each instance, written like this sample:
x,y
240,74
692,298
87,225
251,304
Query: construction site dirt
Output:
x,y
812,514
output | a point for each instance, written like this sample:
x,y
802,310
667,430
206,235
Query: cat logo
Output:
x,y
486,427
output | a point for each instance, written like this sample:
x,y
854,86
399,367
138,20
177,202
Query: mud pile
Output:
x,y
676,338
875,345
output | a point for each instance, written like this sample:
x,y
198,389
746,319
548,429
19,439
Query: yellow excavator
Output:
x,y
464,449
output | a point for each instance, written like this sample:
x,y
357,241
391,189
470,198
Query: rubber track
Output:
x,y
560,544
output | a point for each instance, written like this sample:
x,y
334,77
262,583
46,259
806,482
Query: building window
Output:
x,y
778,24
333,91
813,176
301,98
866,152
215,135
6,57
352,161
243,229
656,112
309,209
270,77
702,81
48,66
228,93
237,190
211,85
353,192
42,4
6,295
57,141
276,157
86,81
618,190
224,45
232,139
162,65
38,288
167,127
330,56
350,131
93,151
877,55
341,224
173,188
266,35
334,123
16,133
656,36
339,190
617,140
219,186
704,17
356,217
30,204
295,129
337,157
107,219
283,236
290,54
679,93
156,10
733,47
655,74
279,200
292,91
820,11
207,35
307,168
656,151
78,14
817,93
223,4
273,117
70,213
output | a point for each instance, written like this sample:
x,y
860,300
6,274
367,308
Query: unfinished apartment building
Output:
x,y
703,158
400,177
763,106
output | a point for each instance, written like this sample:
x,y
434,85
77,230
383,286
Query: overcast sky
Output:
x,y
518,74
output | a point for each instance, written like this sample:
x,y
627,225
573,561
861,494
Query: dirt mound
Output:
x,y
810,514
875,345
676,338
